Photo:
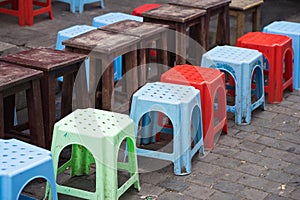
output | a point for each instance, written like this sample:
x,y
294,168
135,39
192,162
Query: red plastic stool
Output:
x,y
278,52
143,8
25,10
211,83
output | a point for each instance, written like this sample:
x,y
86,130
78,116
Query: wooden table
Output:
x,y
14,79
54,64
102,47
212,7
241,8
147,32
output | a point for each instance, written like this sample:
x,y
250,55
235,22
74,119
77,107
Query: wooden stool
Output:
x,y
241,8
178,18
212,7
14,79
102,47
53,63
147,32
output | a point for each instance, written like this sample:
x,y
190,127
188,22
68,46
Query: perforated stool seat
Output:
x,y
277,49
292,30
113,17
21,163
241,64
78,5
96,136
211,83
182,105
143,8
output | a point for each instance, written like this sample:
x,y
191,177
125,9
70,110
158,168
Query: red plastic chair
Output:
x,y
211,83
277,50
24,10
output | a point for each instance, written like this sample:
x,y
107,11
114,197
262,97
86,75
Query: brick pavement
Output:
x,y
257,161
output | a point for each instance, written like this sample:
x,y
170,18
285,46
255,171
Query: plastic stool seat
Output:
x,y
182,105
277,50
211,83
113,17
96,136
20,163
143,8
78,5
292,30
241,64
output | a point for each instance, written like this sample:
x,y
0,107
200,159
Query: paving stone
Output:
x,y
289,147
209,157
266,115
273,163
278,176
202,179
173,184
267,141
206,168
228,187
249,128
251,146
275,197
198,192
224,196
274,153
150,190
268,132
248,156
295,181
246,136
152,177
258,183
223,150
172,195
296,194
251,169
228,174
251,193
227,162
229,141
130,194
292,169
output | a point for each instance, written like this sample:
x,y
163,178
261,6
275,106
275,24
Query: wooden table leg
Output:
x,y
142,67
9,102
35,116
1,116
162,54
108,85
223,30
240,24
256,19
48,101
180,44
131,72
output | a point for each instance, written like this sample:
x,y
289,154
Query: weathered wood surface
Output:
x,y
174,13
44,59
11,75
101,41
135,28
244,4
202,4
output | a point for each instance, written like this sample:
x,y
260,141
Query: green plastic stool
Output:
x,y
96,136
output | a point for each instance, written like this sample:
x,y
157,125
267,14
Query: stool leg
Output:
x,y
132,161
240,24
256,19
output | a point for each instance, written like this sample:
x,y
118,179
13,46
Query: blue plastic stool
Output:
x,y
182,105
240,63
292,30
78,5
19,164
111,18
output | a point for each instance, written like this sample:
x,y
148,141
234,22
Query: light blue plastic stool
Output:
x,y
240,63
111,18
78,5
292,30
19,164
182,105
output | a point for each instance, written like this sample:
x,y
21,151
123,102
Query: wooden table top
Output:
x,y
135,28
202,4
12,75
244,4
174,13
101,41
44,59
